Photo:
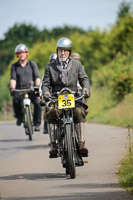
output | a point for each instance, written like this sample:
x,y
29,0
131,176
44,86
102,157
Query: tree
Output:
x,y
65,31
19,33
124,9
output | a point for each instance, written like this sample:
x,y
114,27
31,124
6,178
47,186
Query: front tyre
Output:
x,y
71,169
29,123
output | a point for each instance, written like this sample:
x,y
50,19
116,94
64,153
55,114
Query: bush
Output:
x,y
117,76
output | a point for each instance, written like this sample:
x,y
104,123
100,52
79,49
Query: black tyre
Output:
x,y
71,169
29,128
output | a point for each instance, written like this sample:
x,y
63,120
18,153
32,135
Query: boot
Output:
x,y
52,134
83,149
53,149
80,130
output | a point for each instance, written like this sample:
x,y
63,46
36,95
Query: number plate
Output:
x,y
66,101
26,101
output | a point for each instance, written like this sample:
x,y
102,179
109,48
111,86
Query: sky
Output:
x,y
51,13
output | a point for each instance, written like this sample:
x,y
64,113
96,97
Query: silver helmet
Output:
x,y
64,43
21,47
53,56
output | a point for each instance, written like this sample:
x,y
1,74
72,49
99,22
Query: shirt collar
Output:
x,y
66,62
26,63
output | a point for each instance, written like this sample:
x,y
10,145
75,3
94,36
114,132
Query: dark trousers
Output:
x,y
18,107
52,115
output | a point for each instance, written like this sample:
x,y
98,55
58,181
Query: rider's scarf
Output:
x,y
64,72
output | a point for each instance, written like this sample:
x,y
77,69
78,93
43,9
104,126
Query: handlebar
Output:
x,y
53,99
34,89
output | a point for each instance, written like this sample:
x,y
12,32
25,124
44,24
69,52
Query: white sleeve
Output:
x,y
40,87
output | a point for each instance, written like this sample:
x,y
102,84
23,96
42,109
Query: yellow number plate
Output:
x,y
66,101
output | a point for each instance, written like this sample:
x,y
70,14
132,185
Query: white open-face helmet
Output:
x,y
21,48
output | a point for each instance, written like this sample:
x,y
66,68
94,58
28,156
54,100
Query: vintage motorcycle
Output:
x,y
66,137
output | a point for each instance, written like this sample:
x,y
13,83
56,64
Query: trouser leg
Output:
x,y
37,114
37,109
45,129
52,128
18,105
80,131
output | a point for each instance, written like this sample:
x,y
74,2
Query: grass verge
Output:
x,y
125,171
103,110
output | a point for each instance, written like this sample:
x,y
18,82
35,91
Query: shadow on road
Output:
x,y
31,147
92,185
108,195
33,176
13,140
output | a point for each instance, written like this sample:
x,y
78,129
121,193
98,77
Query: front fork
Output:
x,y
27,102
77,157
70,120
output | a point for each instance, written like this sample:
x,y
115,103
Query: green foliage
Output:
x,y
102,109
4,90
96,48
124,9
19,33
99,103
93,49
121,36
41,52
29,35
66,31
22,33
126,168
117,76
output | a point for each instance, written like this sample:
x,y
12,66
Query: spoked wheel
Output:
x,y
29,127
71,169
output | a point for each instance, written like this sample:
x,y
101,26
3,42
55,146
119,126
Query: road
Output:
x,y
26,172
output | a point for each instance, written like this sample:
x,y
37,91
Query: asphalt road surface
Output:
x,y
27,172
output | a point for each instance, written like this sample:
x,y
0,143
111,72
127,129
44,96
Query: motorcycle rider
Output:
x,y
65,72
23,72
52,57
76,56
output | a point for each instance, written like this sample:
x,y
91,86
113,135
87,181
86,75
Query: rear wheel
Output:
x,y
29,127
71,169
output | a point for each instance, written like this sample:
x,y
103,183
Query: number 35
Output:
x,y
66,103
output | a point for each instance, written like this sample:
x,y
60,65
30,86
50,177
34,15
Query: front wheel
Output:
x,y
29,127
71,169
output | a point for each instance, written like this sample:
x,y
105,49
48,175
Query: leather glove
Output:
x,y
86,92
47,95
36,91
12,91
